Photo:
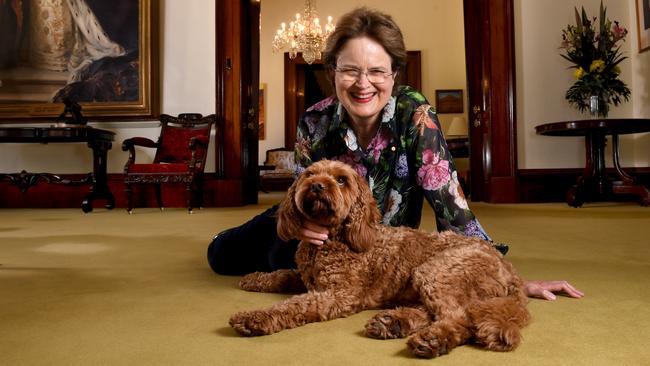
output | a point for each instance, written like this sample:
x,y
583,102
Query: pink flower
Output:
x,y
353,162
378,144
619,32
434,173
322,104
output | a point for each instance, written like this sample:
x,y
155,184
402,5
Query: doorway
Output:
x,y
489,52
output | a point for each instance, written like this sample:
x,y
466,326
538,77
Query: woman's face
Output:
x,y
362,99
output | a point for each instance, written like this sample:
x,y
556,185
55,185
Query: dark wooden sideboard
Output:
x,y
98,140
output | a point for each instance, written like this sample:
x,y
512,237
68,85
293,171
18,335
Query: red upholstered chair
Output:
x,y
180,157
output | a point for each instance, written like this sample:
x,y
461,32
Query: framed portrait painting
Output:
x,y
643,24
101,54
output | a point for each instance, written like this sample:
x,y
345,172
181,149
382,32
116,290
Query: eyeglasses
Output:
x,y
375,76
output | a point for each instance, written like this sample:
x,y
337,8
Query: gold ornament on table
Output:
x,y
595,55
304,35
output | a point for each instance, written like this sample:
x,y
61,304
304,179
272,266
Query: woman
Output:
x,y
389,134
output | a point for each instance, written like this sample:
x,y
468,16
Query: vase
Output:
x,y
593,106
597,107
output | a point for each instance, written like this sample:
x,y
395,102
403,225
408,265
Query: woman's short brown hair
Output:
x,y
373,24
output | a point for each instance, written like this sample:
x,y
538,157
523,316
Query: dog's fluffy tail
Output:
x,y
497,322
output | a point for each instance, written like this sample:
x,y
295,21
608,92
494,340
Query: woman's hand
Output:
x,y
546,289
313,233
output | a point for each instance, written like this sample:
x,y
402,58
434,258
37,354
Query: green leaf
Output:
x,y
585,19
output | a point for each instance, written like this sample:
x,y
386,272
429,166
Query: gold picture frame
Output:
x,y
643,24
123,85
261,114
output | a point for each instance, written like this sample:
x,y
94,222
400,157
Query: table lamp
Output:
x,y
457,127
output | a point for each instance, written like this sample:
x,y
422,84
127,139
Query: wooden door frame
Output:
x,y
237,47
489,27
490,60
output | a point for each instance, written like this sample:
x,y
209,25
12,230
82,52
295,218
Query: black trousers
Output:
x,y
253,246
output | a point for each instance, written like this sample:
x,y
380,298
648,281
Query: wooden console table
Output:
x,y
458,147
100,141
594,182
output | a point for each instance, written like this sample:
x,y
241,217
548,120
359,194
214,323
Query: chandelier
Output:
x,y
304,35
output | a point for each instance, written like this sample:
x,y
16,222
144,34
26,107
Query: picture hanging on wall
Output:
x,y
643,24
101,54
449,101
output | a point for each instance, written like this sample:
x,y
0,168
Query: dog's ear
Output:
x,y
360,230
289,219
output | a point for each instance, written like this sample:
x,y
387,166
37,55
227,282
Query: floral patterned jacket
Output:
x,y
406,160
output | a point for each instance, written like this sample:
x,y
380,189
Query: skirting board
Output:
x,y
216,193
534,186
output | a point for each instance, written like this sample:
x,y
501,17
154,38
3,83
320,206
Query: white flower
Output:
x,y
351,140
339,110
389,110
394,201
459,200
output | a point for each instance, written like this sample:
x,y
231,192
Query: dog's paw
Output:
x,y
252,282
397,323
500,339
384,326
252,323
426,345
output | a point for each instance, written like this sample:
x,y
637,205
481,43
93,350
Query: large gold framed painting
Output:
x,y
101,54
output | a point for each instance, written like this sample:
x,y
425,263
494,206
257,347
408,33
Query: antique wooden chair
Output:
x,y
180,157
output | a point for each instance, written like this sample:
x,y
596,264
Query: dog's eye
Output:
x,y
308,173
341,180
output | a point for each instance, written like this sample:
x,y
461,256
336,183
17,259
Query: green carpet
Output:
x,y
108,288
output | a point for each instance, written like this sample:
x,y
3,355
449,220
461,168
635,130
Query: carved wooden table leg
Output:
x,y
593,181
99,188
626,183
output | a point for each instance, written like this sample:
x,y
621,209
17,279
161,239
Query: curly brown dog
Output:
x,y
450,289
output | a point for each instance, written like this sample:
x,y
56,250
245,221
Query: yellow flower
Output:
x,y
579,73
597,65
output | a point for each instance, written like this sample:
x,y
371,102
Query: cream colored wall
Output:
x,y
543,78
640,91
188,76
435,27
187,85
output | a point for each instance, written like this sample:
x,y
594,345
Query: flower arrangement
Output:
x,y
595,55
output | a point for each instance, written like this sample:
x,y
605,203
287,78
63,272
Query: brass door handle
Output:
x,y
477,111
251,119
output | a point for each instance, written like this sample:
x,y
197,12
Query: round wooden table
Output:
x,y
594,182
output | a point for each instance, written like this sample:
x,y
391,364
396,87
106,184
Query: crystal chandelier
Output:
x,y
304,35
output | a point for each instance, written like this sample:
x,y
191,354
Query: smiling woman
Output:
x,y
390,136
361,95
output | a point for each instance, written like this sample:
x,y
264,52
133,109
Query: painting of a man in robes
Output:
x,y
83,50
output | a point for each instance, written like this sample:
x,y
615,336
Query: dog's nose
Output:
x,y
317,187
